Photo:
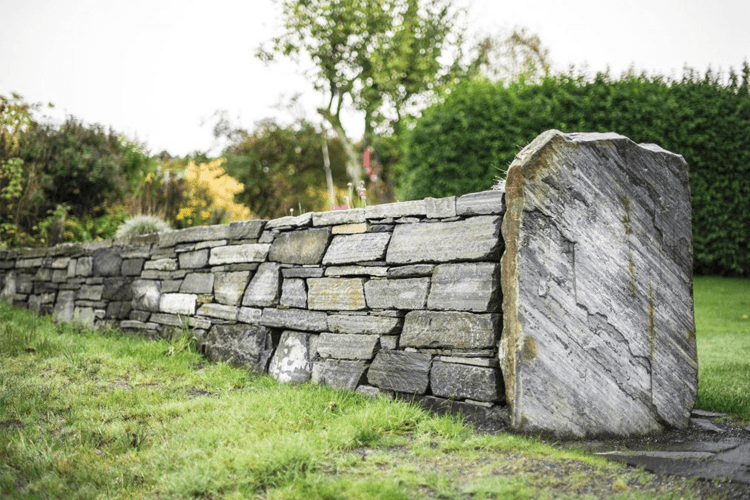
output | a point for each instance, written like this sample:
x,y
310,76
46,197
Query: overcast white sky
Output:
x,y
157,70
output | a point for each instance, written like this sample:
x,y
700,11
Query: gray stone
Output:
x,y
244,345
178,303
229,287
466,287
352,248
166,264
371,325
477,238
300,247
297,319
28,263
131,267
107,262
193,260
45,273
235,254
85,266
485,362
335,294
362,227
65,306
356,271
199,233
332,217
264,288
599,334
179,320
440,208
59,275
91,292
399,209
303,220
293,293
389,342
706,425
451,380
84,316
146,295
452,330
220,311
400,371
246,229
739,455
9,288
118,310
291,362
60,263
201,283
268,236
410,293
411,271
302,272
340,374
482,203
347,346
706,414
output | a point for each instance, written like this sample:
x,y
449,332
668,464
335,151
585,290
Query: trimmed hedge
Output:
x,y
465,142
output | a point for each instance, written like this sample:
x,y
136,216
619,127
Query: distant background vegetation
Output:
x,y
441,117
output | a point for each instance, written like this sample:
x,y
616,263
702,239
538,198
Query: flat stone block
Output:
x,y
362,227
193,260
60,263
400,209
244,345
130,267
482,203
178,303
235,254
356,271
65,306
179,321
219,311
201,283
199,233
91,292
246,229
294,293
300,247
249,315
400,371
265,287
440,208
370,325
477,238
410,293
166,264
351,216
297,319
302,272
451,330
335,294
85,266
352,248
106,262
452,380
303,220
146,295
339,374
230,287
347,346
411,271
466,287
596,281
291,362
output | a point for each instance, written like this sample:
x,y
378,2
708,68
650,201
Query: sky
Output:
x,y
157,71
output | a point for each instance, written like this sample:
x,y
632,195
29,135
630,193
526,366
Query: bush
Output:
x,y
141,224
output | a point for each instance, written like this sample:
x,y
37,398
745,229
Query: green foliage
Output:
x,y
141,224
467,140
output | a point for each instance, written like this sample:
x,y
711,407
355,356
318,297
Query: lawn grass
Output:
x,y
103,415
722,318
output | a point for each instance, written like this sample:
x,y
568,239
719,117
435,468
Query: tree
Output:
x,y
519,55
380,57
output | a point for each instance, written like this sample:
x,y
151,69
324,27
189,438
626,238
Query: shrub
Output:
x,y
142,224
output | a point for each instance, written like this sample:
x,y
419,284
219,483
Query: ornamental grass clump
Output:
x,y
142,224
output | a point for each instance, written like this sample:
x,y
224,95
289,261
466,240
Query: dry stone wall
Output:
x,y
586,328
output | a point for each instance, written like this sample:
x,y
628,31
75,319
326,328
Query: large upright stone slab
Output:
x,y
300,247
265,287
245,345
335,294
470,286
291,362
599,334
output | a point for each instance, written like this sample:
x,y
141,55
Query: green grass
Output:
x,y
103,415
722,317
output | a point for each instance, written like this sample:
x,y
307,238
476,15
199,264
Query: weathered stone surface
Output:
x,y
352,216
180,321
335,294
85,266
297,319
246,229
293,293
200,283
598,335
106,262
300,247
440,208
166,264
291,362
118,310
193,260
117,289
411,271
199,233
400,209
356,271
371,325
482,203
485,362
90,292
351,248
84,316
229,287
65,306
302,272
362,227
452,380
130,267
249,315
219,311
410,293
146,295
60,263
466,287
245,345
340,374
178,303
347,346
265,287
235,254
303,220
477,238
400,371
452,330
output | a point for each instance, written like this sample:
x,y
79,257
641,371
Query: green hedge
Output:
x,y
465,142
